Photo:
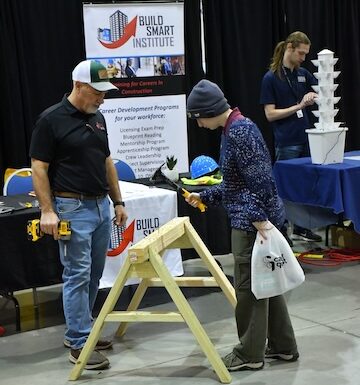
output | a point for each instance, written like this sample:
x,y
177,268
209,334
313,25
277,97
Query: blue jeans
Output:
x,y
83,258
291,152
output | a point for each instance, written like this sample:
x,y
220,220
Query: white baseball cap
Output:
x,y
93,73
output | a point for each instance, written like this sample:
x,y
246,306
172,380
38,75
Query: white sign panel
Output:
x,y
143,131
133,30
142,48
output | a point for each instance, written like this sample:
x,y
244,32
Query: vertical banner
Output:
x,y
142,47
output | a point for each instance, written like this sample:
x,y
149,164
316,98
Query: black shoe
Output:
x,y
233,362
95,361
306,235
289,357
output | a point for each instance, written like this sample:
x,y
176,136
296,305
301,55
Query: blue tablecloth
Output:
x,y
332,186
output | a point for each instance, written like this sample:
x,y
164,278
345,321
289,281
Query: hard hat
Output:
x,y
202,165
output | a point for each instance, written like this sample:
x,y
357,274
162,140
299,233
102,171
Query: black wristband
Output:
x,y
118,203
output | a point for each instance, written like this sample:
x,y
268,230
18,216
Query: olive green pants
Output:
x,y
257,320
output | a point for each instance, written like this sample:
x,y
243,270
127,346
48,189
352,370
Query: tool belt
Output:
x,y
67,194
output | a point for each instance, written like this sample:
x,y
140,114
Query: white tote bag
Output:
x,y
274,267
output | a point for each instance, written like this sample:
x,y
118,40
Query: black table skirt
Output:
x,y
25,264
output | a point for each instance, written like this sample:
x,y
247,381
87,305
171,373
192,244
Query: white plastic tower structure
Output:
x,y
327,139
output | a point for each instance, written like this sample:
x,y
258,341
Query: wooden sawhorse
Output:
x,y
144,261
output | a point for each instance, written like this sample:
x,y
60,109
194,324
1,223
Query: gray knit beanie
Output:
x,y
206,100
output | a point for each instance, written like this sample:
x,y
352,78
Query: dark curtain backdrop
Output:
x,y
240,37
335,25
41,41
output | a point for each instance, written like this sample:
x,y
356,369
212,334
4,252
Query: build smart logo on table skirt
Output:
x,y
147,225
133,232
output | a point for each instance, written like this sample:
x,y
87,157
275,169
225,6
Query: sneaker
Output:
x,y
233,362
306,235
96,361
289,357
101,344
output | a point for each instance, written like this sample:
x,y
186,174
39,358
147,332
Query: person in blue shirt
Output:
x,y
165,66
129,69
286,92
249,195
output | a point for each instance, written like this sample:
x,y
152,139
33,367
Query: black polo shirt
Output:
x,y
75,145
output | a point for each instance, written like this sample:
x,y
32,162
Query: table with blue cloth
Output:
x,y
316,195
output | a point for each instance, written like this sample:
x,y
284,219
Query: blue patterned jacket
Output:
x,y
248,191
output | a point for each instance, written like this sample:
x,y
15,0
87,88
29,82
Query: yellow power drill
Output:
x,y
34,232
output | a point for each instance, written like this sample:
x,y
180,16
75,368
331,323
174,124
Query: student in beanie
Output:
x,y
206,100
249,195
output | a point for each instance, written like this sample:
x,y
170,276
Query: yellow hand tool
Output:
x,y
201,206
34,232
159,175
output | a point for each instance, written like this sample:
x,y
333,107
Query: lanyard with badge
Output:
x,y
299,113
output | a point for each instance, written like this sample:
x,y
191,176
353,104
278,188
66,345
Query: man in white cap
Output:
x,y
73,174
